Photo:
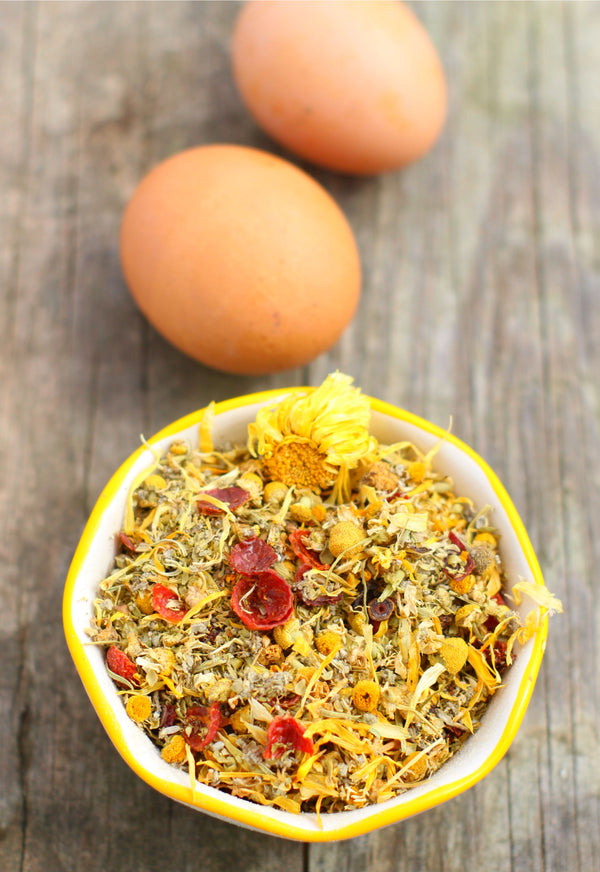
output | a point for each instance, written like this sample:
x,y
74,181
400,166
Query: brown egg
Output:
x,y
352,85
240,259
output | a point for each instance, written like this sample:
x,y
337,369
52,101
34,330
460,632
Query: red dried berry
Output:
x,y
167,603
120,664
499,656
127,542
234,497
252,555
205,724
306,555
263,600
493,622
283,733
168,716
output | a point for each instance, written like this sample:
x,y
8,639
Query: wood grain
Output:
x,y
481,301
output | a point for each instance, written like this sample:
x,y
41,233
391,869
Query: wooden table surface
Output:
x,y
481,300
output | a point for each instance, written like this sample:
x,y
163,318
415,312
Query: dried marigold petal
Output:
x,y
454,653
240,719
365,696
418,768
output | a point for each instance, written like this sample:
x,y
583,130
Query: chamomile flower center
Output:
x,y
299,464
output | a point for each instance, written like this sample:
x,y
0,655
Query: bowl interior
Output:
x,y
480,753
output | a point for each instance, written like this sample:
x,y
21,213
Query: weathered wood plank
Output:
x,y
17,57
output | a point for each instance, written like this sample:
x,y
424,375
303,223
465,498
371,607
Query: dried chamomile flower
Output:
x,y
365,696
344,539
174,750
314,439
462,584
328,642
138,708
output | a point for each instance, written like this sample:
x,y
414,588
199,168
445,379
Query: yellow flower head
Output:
x,y
138,708
328,642
174,750
314,439
365,695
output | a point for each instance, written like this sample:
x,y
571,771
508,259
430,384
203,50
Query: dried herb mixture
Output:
x,y
313,620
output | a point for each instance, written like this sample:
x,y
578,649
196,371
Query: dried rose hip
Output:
x,y
205,724
120,664
263,600
168,716
234,497
306,555
380,610
284,733
252,555
499,655
128,543
167,603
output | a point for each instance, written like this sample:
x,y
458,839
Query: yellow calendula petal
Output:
x,y
172,687
306,765
206,426
191,768
129,524
539,593
482,670
287,804
218,594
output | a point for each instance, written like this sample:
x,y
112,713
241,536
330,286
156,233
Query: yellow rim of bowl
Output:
x,y
248,815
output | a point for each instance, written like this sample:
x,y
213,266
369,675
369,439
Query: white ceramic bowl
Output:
x,y
96,550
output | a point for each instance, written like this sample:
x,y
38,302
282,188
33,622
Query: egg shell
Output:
x,y
353,86
240,259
